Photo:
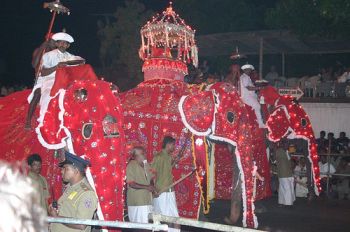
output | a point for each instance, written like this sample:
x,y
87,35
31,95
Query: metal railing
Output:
x,y
328,174
113,224
155,226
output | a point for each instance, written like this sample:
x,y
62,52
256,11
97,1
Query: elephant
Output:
x,y
160,107
86,119
226,119
150,113
289,120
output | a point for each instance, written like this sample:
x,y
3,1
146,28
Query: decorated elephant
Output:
x,y
289,120
150,113
223,117
86,119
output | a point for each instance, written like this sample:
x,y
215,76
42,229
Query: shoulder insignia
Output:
x,y
72,195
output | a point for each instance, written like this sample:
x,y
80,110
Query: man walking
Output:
x,y
140,187
286,195
163,163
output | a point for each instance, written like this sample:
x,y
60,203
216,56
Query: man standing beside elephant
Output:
x,y
248,94
162,164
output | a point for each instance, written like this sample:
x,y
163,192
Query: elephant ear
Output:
x,y
197,112
278,124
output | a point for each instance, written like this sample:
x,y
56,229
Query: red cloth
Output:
x,y
17,143
66,75
151,112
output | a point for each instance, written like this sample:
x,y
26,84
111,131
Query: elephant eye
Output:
x,y
230,116
110,127
87,130
81,95
303,122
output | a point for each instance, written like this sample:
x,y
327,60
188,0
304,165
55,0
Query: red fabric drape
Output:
x,y
66,75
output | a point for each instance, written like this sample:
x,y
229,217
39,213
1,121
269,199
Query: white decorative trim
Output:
x,y
184,121
244,196
292,135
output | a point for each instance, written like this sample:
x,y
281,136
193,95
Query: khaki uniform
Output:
x,y
163,168
40,184
77,201
138,174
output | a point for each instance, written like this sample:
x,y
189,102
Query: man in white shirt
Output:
x,y
324,167
51,61
300,179
248,94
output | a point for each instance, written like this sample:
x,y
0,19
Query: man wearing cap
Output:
x,y
34,97
248,94
53,60
140,187
79,200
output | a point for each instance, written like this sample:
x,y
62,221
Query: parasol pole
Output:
x,y
55,7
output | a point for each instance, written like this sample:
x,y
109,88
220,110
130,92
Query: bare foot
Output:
x,y
227,220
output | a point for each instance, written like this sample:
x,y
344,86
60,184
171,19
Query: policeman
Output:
x,y
79,200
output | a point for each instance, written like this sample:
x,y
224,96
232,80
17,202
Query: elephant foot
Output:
x,y
227,220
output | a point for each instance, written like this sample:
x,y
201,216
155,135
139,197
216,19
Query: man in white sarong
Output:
x,y
286,195
34,97
51,61
162,164
248,94
140,187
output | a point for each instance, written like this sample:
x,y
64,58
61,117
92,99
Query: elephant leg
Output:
x,y
236,195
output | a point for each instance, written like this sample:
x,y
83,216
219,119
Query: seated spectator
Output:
x,y
3,91
321,141
331,142
325,168
342,182
272,76
300,179
345,77
343,143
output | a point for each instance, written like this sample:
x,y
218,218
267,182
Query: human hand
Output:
x,y
52,211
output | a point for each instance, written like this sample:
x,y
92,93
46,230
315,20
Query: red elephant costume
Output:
x,y
288,119
87,119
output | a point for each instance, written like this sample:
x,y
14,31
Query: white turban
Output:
x,y
247,66
63,36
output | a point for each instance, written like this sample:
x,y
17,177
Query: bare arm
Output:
x,y
253,88
135,185
48,71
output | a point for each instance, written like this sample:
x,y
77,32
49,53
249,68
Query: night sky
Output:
x,y
24,24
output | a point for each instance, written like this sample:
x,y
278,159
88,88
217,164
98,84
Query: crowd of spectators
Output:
x,y
334,166
8,89
329,82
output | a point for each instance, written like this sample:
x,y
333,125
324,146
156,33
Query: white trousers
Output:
x,y
166,205
286,195
139,214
